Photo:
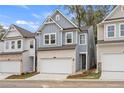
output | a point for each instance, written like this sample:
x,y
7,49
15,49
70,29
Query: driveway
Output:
x,y
48,77
3,76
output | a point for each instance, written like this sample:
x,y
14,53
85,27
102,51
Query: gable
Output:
x,y
118,13
64,21
49,21
12,32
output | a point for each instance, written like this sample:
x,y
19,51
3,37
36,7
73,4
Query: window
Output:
x,y
13,45
7,45
121,29
19,44
31,44
50,38
57,17
46,39
69,37
110,31
82,39
122,8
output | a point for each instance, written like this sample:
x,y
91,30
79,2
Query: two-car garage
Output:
x,y
112,66
56,65
12,67
56,61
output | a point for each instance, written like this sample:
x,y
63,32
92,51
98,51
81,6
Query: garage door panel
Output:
x,y
112,75
9,67
113,62
56,65
112,66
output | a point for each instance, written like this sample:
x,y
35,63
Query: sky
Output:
x,y
28,17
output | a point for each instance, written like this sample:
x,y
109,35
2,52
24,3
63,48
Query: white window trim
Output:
x,y
12,44
66,37
106,30
120,29
85,39
49,38
17,44
57,17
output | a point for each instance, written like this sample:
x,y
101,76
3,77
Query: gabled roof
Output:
x,y
64,17
106,18
75,26
25,33
45,24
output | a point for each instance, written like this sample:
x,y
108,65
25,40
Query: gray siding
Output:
x,y
49,28
63,22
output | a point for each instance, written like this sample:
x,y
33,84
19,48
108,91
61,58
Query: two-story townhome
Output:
x,y
17,51
62,47
110,47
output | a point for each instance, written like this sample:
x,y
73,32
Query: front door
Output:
x,y
83,61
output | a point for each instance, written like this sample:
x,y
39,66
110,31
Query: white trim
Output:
x,y
76,37
66,37
43,24
10,31
120,29
49,38
106,30
85,39
61,37
64,17
57,17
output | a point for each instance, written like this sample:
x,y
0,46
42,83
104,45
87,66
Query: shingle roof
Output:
x,y
25,33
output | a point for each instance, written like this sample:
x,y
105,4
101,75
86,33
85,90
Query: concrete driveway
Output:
x,y
48,77
4,76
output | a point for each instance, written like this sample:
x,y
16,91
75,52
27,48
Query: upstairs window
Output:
x,y
7,45
69,37
13,45
111,31
121,29
46,39
53,38
50,38
31,44
82,39
57,17
19,44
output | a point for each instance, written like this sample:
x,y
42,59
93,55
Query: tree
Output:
x,y
2,31
78,13
88,15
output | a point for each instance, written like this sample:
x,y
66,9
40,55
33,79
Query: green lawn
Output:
x,y
91,74
23,76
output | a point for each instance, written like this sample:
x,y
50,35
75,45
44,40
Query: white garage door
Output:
x,y
10,67
57,65
112,66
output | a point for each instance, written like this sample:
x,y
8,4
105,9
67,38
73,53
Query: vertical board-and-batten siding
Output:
x,y
50,28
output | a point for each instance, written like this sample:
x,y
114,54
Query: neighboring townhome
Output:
x,y
17,51
110,47
62,47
